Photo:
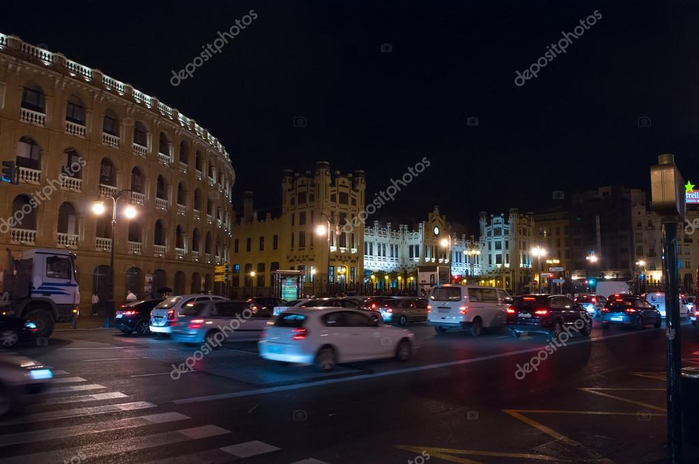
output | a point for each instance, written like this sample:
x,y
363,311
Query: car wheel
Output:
x,y
142,328
556,330
402,320
210,339
9,338
440,330
605,325
403,351
43,320
658,321
6,401
639,325
325,359
476,327
587,330
127,332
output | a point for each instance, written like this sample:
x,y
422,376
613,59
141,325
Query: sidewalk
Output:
x,y
84,323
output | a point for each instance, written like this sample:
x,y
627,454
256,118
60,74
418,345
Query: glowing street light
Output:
x,y
321,230
130,212
539,252
99,208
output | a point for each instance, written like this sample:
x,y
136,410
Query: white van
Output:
x,y
657,299
467,307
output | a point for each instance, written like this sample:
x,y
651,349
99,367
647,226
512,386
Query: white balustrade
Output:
x,y
134,248
103,244
181,209
77,130
140,150
159,250
33,117
138,198
184,167
209,219
164,159
71,183
27,237
29,176
198,174
179,253
110,140
161,203
197,214
67,240
207,257
107,190
195,255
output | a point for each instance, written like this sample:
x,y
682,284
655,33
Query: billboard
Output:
x,y
692,194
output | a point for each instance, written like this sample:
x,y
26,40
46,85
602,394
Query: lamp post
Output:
x,y
98,209
445,244
641,276
324,230
539,252
593,259
252,276
313,277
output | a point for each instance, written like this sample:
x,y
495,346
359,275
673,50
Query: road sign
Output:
x,y
222,269
558,281
556,269
219,278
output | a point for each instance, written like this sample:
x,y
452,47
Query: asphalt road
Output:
x,y
460,399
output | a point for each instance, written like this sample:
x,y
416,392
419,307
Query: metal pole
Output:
x,y
538,278
674,356
110,300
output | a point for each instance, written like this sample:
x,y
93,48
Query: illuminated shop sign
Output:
x,y
692,194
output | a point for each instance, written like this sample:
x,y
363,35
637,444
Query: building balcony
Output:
x,y
198,174
138,198
134,248
220,187
103,244
164,159
184,167
110,140
195,255
159,250
219,222
33,117
67,240
218,260
181,209
161,203
207,257
196,214
353,251
209,219
71,183
28,175
179,253
212,181
107,190
140,150
75,129
23,236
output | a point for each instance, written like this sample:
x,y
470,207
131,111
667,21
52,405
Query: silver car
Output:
x,y
164,316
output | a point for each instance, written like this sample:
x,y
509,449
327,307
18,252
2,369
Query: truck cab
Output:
x,y
41,286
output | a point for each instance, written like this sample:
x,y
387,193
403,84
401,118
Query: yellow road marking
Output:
x,y
619,398
550,432
440,452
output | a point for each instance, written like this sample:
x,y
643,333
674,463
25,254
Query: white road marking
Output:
x,y
262,391
96,348
248,449
74,388
159,373
119,446
97,427
84,398
69,380
310,461
91,411
112,359
60,373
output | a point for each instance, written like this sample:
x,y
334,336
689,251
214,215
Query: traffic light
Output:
x,y
9,172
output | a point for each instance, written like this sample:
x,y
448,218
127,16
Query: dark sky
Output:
x,y
574,127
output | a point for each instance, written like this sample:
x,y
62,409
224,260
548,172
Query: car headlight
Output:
x,y
41,374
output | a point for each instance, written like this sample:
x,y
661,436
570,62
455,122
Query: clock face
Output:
x,y
436,230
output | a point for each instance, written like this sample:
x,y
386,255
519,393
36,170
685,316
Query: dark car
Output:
x,y
630,311
264,306
135,316
14,330
548,314
402,310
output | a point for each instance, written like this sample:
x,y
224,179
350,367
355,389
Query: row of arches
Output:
x,y
135,281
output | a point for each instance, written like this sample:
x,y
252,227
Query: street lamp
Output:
x,y
324,230
313,277
99,208
252,276
593,259
445,244
539,252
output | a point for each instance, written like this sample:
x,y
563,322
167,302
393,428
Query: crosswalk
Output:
x,y
51,427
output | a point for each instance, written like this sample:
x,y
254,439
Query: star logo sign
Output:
x,y
689,186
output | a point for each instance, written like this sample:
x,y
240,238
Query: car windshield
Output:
x,y
530,303
290,320
191,309
446,294
169,303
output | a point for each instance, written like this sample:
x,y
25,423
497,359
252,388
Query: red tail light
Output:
x,y
130,313
388,310
263,336
605,310
594,300
254,309
541,312
171,314
123,306
196,323
373,306
630,310
429,308
463,309
299,334
511,310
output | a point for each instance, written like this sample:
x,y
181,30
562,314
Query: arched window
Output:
x,y
23,213
196,283
196,240
197,199
75,110
103,227
67,219
180,279
107,173
33,98
212,170
110,123
135,234
140,134
71,164
181,194
184,152
164,144
207,245
28,154
137,181
161,188
159,235
198,161
179,237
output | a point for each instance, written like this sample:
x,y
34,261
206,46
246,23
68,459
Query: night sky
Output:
x,y
574,127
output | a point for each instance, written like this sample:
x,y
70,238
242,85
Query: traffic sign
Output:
x,y
556,269
219,278
558,281
222,269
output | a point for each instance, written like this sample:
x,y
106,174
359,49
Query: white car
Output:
x,y
20,380
326,336
164,316
657,299
467,307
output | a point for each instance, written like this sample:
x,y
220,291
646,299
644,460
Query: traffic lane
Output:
x,y
427,408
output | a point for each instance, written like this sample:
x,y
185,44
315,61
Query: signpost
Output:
x,y
221,275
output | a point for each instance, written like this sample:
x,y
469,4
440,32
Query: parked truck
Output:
x,y
41,286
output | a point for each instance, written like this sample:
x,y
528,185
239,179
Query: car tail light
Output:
x,y
429,308
696,313
388,310
196,323
123,306
171,314
511,310
463,309
263,336
373,306
605,310
254,309
130,313
529,298
630,310
299,334
541,312
594,300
